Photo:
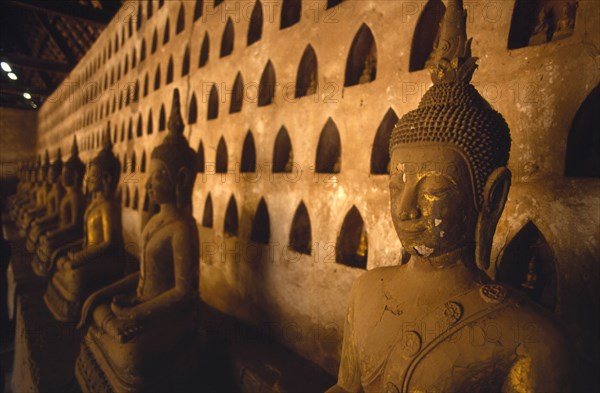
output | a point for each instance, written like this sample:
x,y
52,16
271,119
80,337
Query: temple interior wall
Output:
x,y
301,299
17,131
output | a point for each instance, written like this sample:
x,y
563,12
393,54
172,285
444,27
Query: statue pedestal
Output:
x,y
245,359
45,350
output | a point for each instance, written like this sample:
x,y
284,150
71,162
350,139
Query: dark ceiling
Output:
x,y
42,40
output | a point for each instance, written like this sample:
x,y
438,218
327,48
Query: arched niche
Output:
x,y
198,9
201,159
146,88
167,33
301,232
583,145
170,71
537,22
180,20
307,79
203,59
380,154
157,78
185,66
213,103
528,264
139,130
149,9
266,89
231,223
227,40
154,46
261,226
426,34
256,23
138,19
221,163
130,130
127,200
283,154
143,51
207,216
162,118
193,110
237,95
136,197
143,163
133,163
361,66
248,154
352,244
329,149
333,3
291,11
150,123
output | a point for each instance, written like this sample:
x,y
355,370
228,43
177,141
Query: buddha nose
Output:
x,y
408,206
410,215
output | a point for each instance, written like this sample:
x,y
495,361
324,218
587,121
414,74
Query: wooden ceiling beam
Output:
x,y
70,10
57,37
36,63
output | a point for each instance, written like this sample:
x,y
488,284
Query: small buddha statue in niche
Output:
x,y
100,260
49,215
369,69
436,324
566,24
541,31
40,191
141,328
67,234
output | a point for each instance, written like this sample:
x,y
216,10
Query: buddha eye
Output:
x,y
432,195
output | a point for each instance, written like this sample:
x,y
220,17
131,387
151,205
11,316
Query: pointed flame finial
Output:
x,y
453,62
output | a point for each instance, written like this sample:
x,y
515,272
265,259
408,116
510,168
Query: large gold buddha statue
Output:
x,y
49,215
436,324
100,260
141,328
64,231
37,202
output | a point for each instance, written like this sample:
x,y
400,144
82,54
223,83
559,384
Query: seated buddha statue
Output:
x,y
49,215
141,328
65,231
435,323
100,259
25,191
22,185
38,193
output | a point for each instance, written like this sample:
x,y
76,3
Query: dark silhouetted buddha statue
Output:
x,y
141,328
436,324
100,260
49,215
37,204
64,231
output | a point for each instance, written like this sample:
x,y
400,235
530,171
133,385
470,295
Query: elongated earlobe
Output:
x,y
495,194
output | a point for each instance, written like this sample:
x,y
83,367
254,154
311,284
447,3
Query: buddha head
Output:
x,y
173,164
105,169
73,169
448,177
55,169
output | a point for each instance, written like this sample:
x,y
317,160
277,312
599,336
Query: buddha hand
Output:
x,y
122,307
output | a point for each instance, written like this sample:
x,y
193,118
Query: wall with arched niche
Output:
x,y
302,95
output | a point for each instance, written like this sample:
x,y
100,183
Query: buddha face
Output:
x,y
67,176
94,181
159,185
432,201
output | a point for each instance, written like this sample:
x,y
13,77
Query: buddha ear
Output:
x,y
495,194
184,177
